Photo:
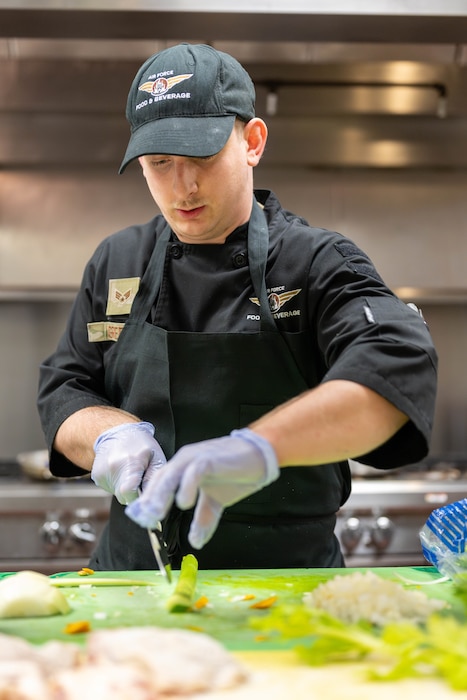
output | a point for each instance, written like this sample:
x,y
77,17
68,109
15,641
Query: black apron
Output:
x,y
195,386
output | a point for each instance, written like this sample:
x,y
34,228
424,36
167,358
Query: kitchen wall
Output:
x,y
413,223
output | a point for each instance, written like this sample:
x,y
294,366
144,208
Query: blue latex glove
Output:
x,y
126,456
213,474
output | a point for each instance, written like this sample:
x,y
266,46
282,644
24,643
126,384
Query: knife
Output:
x,y
159,547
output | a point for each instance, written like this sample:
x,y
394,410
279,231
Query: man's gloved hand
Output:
x,y
126,457
213,474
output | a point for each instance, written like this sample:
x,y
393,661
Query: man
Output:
x,y
253,352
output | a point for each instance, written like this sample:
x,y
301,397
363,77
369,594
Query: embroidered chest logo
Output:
x,y
277,299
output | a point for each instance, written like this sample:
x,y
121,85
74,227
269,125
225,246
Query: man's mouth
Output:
x,y
190,213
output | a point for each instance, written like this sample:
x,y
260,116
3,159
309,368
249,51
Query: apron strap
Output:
x,y
258,245
152,278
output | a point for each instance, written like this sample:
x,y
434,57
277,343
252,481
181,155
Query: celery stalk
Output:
x,y
181,599
96,581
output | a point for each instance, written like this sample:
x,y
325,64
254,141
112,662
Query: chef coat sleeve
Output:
x,y
369,336
72,377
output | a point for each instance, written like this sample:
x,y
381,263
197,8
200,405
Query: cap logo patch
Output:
x,y
162,84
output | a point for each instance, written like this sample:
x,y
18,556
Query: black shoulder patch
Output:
x,y
348,249
361,264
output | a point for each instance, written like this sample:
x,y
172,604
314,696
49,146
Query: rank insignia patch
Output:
x,y
121,295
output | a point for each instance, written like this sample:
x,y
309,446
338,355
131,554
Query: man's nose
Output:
x,y
185,181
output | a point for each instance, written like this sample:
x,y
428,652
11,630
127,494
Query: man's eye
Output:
x,y
158,163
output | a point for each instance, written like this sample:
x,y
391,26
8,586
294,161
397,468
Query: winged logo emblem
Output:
x,y
277,301
163,85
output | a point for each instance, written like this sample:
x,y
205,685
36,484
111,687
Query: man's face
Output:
x,y
204,199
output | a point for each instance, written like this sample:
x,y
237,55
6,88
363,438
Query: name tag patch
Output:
x,y
99,331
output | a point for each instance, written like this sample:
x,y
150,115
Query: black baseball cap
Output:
x,y
184,101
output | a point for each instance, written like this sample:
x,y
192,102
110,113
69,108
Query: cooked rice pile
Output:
x,y
357,596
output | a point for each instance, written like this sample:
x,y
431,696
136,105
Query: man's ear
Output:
x,y
255,134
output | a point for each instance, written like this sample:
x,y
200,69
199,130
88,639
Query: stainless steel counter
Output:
x,y
49,526
380,523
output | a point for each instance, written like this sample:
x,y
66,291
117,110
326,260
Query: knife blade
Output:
x,y
159,547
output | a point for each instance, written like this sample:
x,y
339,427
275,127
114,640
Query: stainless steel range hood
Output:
x,y
434,21
342,83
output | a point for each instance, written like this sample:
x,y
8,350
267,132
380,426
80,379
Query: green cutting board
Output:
x,y
226,615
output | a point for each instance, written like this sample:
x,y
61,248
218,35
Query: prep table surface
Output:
x,y
275,672
225,617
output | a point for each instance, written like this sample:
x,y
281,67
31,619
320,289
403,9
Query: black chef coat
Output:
x,y
321,287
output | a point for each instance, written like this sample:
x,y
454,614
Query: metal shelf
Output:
x,y
37,294
433,295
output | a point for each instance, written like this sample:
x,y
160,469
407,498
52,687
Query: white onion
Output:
x,y
30,594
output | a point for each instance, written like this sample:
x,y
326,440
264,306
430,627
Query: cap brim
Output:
x,y
196,137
